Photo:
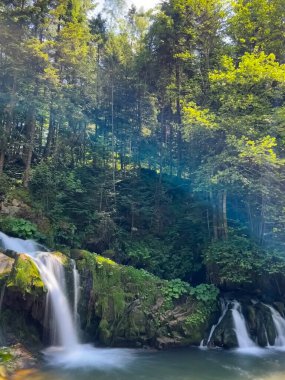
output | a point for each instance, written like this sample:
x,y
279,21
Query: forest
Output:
x,y
149,147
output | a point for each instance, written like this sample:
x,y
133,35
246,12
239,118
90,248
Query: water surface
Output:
x,y
186,364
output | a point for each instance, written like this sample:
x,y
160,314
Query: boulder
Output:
x,y
124,306
224,335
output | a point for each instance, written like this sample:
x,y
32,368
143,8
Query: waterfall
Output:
x,y
52,274
243,338
76,292
63,331
279,323
69,352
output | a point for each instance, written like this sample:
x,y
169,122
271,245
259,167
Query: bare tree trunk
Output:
x,y
2,159
114,163
225,219
178,118
28,151
51,134
215,218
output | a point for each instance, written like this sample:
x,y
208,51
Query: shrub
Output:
x,y
18,227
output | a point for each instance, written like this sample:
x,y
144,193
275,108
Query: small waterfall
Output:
x,y
224,308
279,323
76,292
52,273
243,338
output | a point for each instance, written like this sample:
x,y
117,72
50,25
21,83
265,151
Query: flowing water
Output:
x,y
244,340
76,292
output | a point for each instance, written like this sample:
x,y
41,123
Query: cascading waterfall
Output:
x,y
243,338
279,323
69,352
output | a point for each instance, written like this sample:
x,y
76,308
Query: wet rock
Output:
x,y
265,329
224,335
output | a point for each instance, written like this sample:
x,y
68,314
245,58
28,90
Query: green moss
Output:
x,y
5,355
25,276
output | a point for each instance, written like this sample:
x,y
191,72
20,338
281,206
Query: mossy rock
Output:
x,y
129,307
78,254
62,258
25,276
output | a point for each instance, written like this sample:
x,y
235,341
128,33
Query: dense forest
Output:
x,y
153,138
142,185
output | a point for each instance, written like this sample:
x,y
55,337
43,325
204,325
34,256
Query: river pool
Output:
x,y
184,364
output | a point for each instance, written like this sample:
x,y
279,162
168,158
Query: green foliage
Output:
x,y
19,227
198,318
174,289
240,261
206,293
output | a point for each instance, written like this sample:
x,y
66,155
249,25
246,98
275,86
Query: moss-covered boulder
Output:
x,y
125,306
25,277
23,306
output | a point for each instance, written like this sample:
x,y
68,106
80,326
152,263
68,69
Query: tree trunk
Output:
x,y
2,159
51,134
215,217
225,219
178,119
28,151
